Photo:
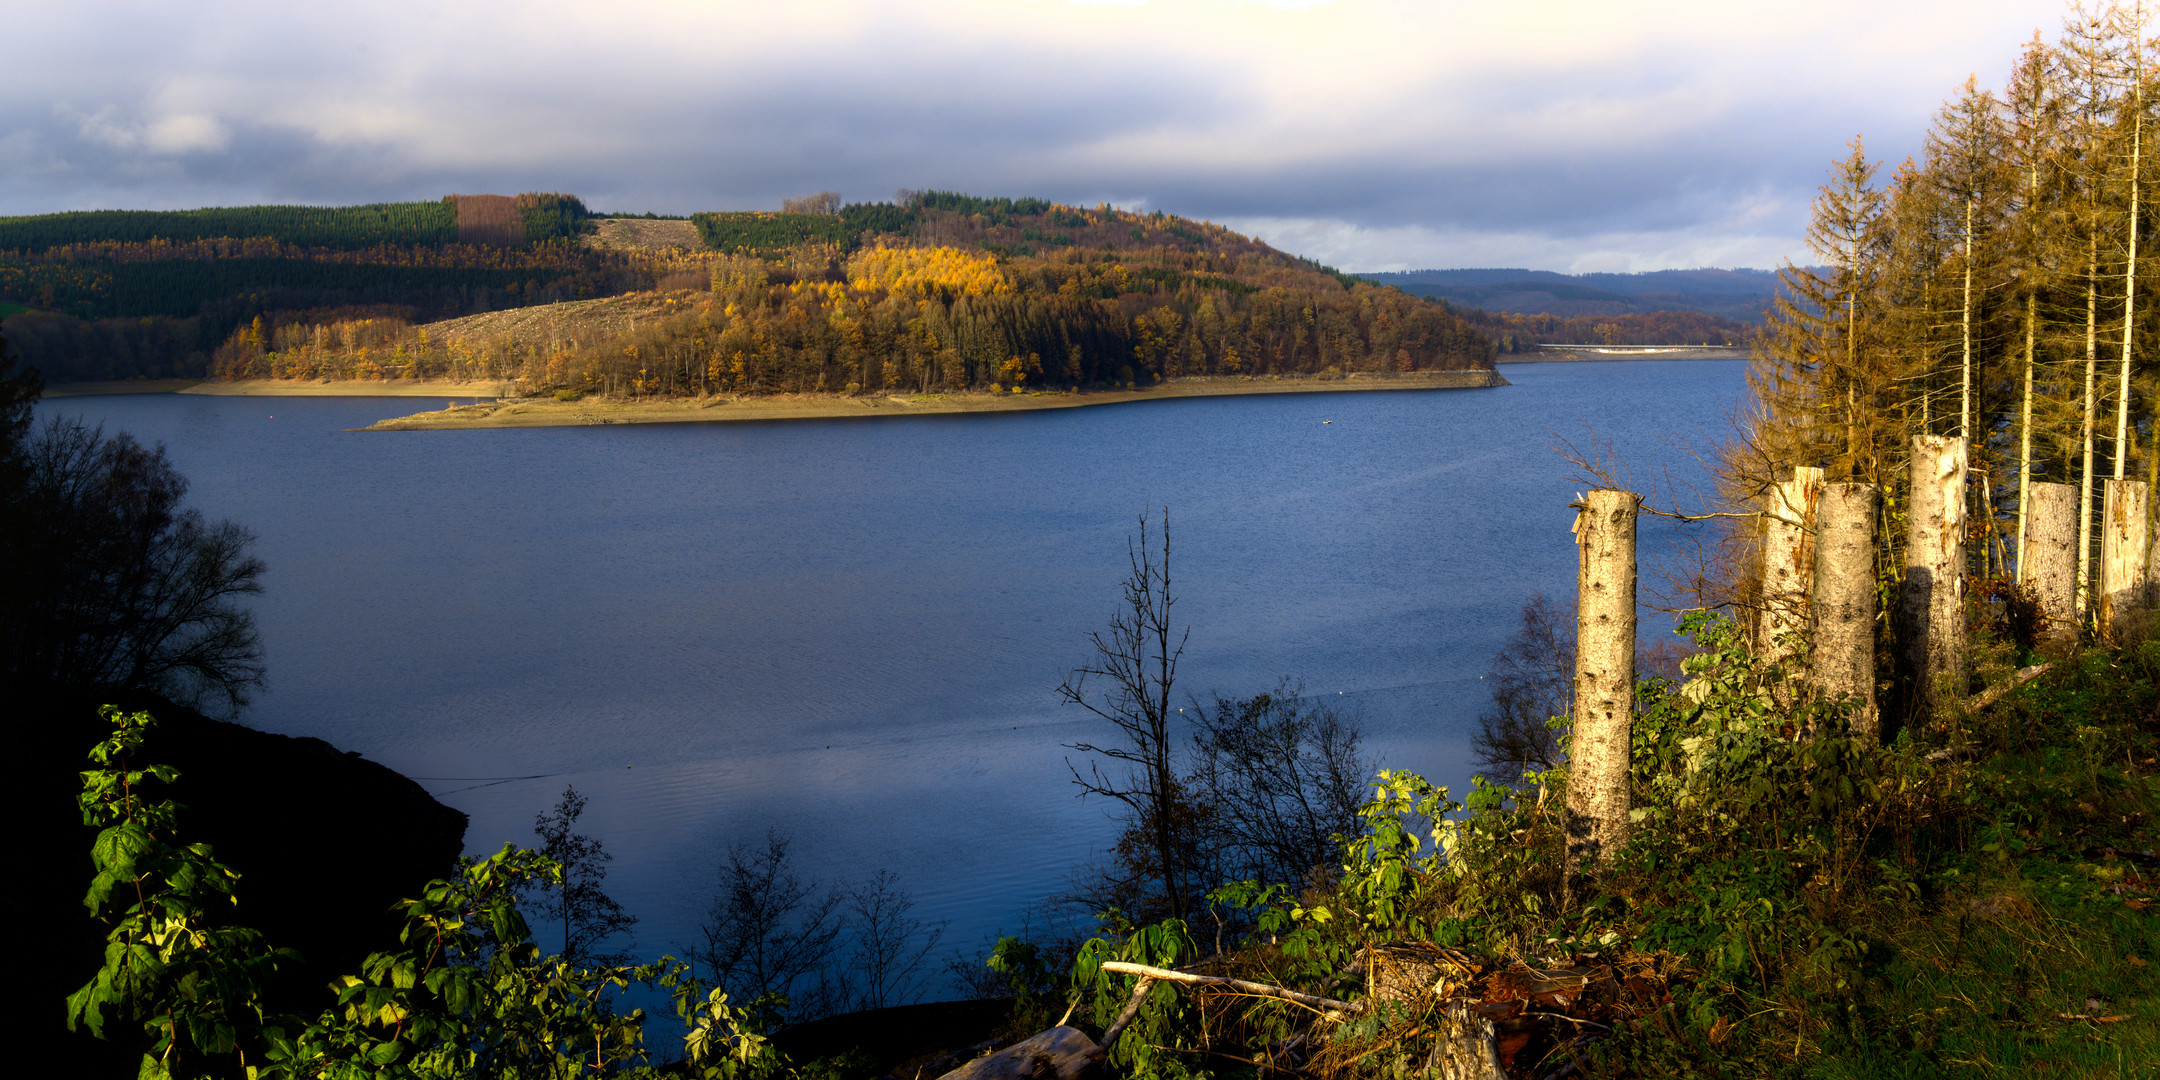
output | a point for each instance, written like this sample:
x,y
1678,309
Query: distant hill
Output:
x,y
124,294
1738,295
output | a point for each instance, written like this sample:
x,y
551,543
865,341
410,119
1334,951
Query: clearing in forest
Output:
x,y
489,219
568,320
645,234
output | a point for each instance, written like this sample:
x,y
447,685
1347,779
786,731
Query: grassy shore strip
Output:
x,y
547,412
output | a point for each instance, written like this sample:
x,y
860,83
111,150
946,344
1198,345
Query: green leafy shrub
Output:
x,y
467,994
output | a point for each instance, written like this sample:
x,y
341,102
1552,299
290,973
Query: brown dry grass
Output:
x,y
645,234
571,319
489,219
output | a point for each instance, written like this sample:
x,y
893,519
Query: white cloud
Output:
x,y
1560,130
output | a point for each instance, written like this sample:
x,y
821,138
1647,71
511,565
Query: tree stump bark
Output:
x,y
1788,563
1843,663
1598,791
2047,561
2122,551
1933,604
1463,1046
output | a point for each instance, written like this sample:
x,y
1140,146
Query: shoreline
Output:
x,y
547,412
442,388
1573,354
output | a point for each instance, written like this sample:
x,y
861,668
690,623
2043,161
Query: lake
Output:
x,y
851,630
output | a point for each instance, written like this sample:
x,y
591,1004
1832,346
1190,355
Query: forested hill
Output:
x,y
932,291
121,294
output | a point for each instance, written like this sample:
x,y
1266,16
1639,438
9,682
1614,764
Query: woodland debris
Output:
x,y
1992,695
1242,986
1061,1053
1464,1046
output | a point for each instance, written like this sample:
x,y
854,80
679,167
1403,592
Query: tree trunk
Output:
x,y
2137,139
1598,793
1934,595
1965,407
2085,475
1844,599
2047,558
2122,552
2025,409
1788,563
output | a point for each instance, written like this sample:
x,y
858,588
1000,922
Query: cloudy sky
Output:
x,y
1371,134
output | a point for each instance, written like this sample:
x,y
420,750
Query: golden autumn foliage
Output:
x,y
938,273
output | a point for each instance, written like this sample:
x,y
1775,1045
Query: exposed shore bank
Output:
x,y
548,412
442,388
1565,353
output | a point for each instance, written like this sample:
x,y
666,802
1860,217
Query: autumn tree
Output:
x,y
824,202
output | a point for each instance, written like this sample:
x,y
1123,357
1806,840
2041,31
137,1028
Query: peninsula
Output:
x,y
550,412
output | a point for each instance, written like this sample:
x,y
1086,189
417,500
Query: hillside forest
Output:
x,y
934,291
1000,294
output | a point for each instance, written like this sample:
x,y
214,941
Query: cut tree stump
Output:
x,y
2122,551
1844,604
2048,561
1464,1046
1933,607
1599,792
1788,562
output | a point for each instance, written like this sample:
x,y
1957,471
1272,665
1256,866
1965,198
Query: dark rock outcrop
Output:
x,y
325,841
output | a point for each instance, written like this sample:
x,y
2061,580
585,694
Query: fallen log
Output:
x,y
1243,986
1981,701
1992,695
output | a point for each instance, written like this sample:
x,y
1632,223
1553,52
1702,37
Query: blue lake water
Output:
x,y
851,630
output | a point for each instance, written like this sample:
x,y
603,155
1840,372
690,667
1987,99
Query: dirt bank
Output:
x,y
548,412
